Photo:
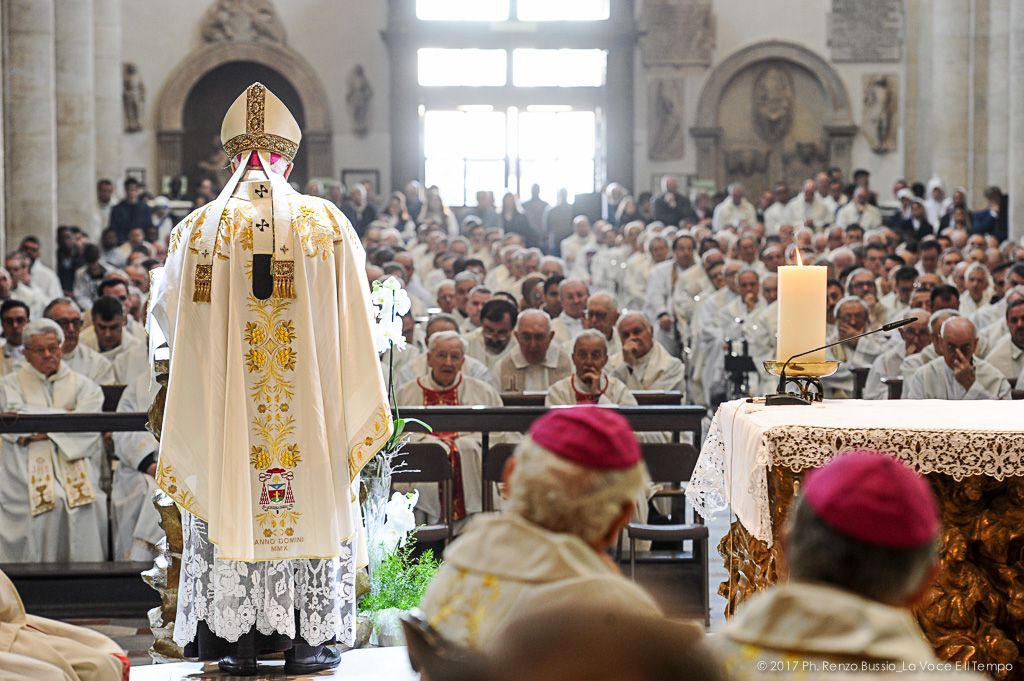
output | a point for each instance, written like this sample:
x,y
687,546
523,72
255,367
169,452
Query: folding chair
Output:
x,y
494,465
673,463
428,462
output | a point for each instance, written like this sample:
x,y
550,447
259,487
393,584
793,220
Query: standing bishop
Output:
x,y
275,402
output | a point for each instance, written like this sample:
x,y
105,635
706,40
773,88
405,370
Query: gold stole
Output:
x,y
74,475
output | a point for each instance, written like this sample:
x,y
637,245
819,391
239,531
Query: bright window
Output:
x,y
562,10
558,68
462,10
470,68
468,151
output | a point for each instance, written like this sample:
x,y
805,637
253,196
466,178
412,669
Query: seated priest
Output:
x,y
128,354
915,338
1008,353
733,323
134,520
408,369
493,339
958,374
14,315
34,648
445,384
589,383
852,316
570,489
862,552
643,364
117,287
536,361
572,297
75,355
52,508
602,313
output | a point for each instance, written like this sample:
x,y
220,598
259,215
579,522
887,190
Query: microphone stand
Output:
x,y
781,397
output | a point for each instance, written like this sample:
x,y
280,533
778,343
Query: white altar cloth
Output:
x,y
958,438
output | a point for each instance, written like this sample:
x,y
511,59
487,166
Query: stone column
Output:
x,y
106,25
1015,140
998,104
950,92
30,133
3,156
76,121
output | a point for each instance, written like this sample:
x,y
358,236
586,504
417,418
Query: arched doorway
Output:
x,y
279,67
772,111
204,109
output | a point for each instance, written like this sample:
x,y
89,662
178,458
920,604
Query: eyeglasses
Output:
x,y
70,323
43,350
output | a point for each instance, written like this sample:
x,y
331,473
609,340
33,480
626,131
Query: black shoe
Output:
x,y
306,659
238,666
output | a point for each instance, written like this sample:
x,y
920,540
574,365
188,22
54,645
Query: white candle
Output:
x,y
801,311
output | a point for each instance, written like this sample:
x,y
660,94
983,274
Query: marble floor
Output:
x,y
372,664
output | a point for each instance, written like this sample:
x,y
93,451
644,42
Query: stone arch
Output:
x,y
317,135
838,127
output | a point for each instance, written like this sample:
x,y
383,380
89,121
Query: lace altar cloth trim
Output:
x,y
957,453
232,596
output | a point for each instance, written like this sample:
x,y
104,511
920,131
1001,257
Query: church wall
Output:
x,y
331,36
739,24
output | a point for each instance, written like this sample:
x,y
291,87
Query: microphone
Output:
x,y
885,327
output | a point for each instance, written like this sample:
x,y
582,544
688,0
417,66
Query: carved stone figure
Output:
x,y
880,105
773,103
678,33
247,20
133,97
358,99
746,161
667,138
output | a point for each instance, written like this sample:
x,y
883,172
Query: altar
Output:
x,y
972,453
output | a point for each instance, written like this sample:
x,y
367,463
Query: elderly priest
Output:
x,y
51,506
958,374
571,486
275,402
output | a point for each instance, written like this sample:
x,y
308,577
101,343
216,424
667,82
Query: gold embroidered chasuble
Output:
x,y
273,406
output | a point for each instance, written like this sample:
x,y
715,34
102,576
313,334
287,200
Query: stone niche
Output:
x,y
771,111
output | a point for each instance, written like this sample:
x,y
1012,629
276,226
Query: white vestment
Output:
x,y
935,381
612,391
799,211
129,360
1007,358
841,383
469,391
504,565
657,370
273,408
133,518
131,328
851,214
417,366
62,471
90,364
728,213
566,329
515,374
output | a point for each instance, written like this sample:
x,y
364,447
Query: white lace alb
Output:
x,y
232,596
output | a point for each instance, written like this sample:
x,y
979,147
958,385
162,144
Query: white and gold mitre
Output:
x,y
259,120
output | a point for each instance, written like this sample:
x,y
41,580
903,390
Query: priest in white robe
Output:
x,y
275,402
52,508
493,340
78,357
643,364
1007,355
445,384
892,363
669,302
573,295
589,383
133,518
127,354
537,360
852,316
958,374
14,316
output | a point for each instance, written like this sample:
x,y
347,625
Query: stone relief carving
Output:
x,y
881,102
243,20
746,161
358,99
133,97
666,125
773,103
678,32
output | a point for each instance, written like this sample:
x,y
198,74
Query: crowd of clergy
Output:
x,y
524,297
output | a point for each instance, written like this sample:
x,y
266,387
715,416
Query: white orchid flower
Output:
x,y
400,516
402,304
391,334
390,538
